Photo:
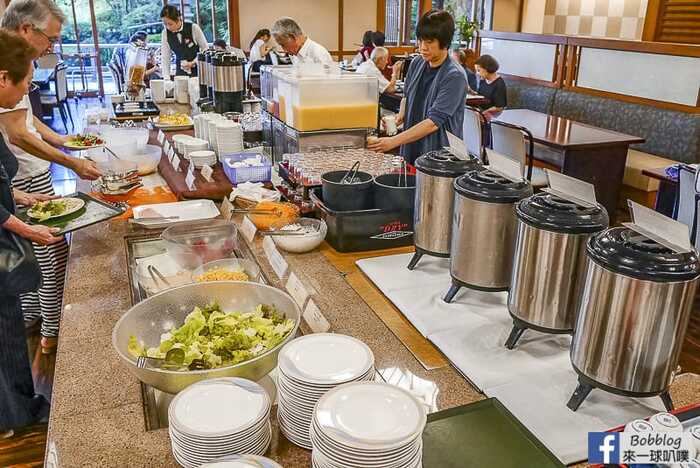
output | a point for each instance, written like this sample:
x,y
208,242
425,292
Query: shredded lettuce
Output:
x,y
220,338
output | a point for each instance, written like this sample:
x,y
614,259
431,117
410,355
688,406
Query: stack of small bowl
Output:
x,y
219,417
179,141
202,158
309,367
192,145
344,435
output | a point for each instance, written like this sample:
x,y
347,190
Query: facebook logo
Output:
x,y
603,447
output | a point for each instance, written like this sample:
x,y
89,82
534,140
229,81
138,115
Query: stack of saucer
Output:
x,y
229,138
309,367
198,120
202,158
343,435
193,144
221,416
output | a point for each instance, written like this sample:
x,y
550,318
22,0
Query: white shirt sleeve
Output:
x,y
199,38
165,55
322,55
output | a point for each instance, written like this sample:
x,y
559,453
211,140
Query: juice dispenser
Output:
x,y
136,58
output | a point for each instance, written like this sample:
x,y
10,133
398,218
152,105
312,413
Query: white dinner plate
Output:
x,y
325,358
190,210
397,416
219,407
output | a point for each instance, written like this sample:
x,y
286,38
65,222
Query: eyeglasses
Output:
x,y
52,40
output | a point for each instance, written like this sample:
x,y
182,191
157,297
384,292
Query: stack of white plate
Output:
x,y
192,145
218,417
309,367
229,138
202,158
344,435
214,119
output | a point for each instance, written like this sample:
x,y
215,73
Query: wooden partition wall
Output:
x,y
654,73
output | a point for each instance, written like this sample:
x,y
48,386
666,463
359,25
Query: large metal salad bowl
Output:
x,y
159,314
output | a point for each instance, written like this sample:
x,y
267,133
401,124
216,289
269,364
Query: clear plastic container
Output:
x,y
328,102
194,244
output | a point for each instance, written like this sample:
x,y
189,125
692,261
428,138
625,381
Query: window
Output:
x,y
401,17
220,13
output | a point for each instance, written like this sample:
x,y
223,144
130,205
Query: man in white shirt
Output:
x,y
292,39
184,38
374,67
34,144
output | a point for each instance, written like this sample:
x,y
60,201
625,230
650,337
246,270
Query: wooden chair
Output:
x,y
58,98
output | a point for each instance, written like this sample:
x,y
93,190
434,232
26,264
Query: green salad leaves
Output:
x,y
214,338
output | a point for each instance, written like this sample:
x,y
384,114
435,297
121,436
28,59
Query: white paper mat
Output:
x,y
534,381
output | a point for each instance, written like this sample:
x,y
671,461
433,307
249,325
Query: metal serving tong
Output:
x,y
348,178
157,275
174,360
274,211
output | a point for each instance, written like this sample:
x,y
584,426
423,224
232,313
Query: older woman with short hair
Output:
x,y
19,405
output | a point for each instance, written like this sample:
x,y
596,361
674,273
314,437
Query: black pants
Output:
x,y
18,405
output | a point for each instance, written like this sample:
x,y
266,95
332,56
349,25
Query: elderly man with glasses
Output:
x,y
35,145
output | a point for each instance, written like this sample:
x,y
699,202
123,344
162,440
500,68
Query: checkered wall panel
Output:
x,y
620,19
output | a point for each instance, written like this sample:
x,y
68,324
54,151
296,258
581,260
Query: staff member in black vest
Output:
x,y
182,37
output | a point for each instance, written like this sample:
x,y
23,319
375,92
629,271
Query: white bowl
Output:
x,y
303,243
665,422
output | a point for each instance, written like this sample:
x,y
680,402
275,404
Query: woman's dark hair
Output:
x,y
436,25
488,63
378,38
171,12
367,38
259,35
138,36
220,43
15,56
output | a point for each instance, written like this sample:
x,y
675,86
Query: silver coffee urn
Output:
x,y
432,216
229,84
202,75
550,263
483,231
633,315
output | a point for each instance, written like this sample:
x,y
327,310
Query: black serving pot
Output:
x,y
339,196
394,192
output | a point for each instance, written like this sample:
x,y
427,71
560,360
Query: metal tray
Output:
x,y
482,434
95,211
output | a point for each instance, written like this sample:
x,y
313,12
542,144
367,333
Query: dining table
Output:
x,y
579,150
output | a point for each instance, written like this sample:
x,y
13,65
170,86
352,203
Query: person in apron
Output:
x,y
183,38
19,405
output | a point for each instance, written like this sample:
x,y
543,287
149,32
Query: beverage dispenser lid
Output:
x,y
226,59
627,252
552,213
442,163
490,187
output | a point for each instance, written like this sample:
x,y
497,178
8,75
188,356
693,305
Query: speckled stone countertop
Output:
x,y
97,416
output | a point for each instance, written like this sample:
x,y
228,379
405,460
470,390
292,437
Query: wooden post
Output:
x,y
340,30
96,42
381,15
213,20
234,23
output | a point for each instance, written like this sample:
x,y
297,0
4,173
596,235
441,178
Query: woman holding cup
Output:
x,y
183,38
